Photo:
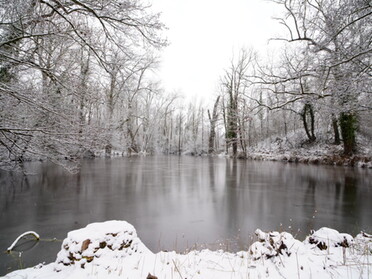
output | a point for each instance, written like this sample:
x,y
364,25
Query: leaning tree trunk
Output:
x,y
213,120
308,110
348,125
226,128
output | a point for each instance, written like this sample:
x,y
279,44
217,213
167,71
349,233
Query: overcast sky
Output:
x,y
204,35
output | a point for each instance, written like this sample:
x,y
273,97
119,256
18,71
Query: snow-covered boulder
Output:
x,y
99,244
326,237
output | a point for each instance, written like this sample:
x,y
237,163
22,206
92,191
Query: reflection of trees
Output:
x,y
232,192
309,201
336,195
348,201
211,174
12,184
213,181
350,204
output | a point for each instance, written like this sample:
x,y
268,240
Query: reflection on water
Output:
x,y
178,202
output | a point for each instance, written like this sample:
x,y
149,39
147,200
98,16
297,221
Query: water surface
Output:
x,y
179,203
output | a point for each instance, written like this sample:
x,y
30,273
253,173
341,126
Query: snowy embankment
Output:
x,y
294,149
113,250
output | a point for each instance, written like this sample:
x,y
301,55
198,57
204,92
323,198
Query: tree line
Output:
x,y
77,76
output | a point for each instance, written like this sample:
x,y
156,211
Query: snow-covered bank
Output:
x,y
112,250
320,159
294,149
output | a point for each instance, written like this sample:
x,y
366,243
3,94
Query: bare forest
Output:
x,y
78,79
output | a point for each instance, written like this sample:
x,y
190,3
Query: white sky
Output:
x,y
204,35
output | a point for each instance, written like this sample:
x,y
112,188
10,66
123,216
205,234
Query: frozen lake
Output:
x,y
178,203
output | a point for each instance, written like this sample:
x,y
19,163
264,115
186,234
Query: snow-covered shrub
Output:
x,y
273,244
363,243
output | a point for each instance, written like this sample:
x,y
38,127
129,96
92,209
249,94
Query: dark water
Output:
x,y
178,203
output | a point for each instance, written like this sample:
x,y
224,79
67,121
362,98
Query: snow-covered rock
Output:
x,y
326,237
99,244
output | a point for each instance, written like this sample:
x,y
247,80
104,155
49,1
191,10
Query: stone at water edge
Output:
x,y
99,244
326,237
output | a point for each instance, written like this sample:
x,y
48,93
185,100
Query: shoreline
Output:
x,y
112,249
360,161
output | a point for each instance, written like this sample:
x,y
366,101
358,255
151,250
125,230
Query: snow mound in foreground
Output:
x,y
100,242
112,250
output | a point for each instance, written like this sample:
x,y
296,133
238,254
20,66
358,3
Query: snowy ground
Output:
x,y
113,250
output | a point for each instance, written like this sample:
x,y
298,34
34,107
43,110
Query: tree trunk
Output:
x,y
232,135
308,109
232,115
225,124
132,145
335,130
213,121
348,124
312,121
242,131
84,71
110,114
179,135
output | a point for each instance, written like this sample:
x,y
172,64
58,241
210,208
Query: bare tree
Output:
x,y
234,84
336,35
